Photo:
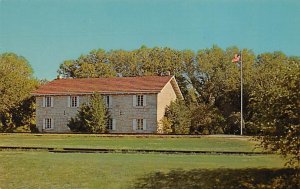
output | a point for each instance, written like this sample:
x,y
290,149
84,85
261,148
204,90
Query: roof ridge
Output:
x,y
114,77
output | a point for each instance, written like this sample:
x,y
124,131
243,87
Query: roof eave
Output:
x,y
89,93
176,87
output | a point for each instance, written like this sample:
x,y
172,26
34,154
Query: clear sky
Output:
x,y
47,32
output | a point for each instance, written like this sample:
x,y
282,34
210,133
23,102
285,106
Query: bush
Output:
x,y
177,118
165,126
91,118
233,123
206,120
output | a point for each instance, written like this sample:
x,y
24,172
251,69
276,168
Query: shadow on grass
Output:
x,y
222,179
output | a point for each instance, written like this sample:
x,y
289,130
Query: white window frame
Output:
x,y
139,124
139,100
108,101
111,124
48,123
48,101
73,101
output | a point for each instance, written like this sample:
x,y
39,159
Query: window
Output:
x,y
109,124
140,100
140,124
48,101
107,100
48,123
74,101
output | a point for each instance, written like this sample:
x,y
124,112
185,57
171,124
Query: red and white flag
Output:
x,y
236,58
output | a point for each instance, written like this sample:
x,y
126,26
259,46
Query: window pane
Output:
x,y
107,100
109,124
48,123
140,100
48,101
74,101
140,124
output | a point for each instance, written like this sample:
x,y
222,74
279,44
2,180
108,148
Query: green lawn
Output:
x,y
205,143
20,169
42,169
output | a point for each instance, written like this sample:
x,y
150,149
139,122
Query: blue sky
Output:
x,y
47,32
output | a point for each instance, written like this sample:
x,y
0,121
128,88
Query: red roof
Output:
x,y
151,84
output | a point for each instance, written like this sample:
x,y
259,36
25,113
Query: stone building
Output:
x,y
136,104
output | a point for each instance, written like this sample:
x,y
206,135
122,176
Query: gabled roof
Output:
x,y
113,85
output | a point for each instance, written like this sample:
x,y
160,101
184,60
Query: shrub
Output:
x,y
206,120
92,117
177,118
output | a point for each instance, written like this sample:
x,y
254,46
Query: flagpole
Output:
x,y
241,67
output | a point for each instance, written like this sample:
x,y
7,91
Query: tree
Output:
x,y
16,83
23,116
95,64
138,62
177,118
92,117
275,102
206,120
217,82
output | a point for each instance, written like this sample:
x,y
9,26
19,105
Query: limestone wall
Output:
x,y
121,109
60,113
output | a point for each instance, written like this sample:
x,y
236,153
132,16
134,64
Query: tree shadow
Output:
x,y
222,179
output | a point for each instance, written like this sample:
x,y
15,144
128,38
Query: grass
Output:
x,y
235,144
41,169
222,178
20,169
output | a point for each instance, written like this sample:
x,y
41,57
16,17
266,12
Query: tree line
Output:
x,y
209,81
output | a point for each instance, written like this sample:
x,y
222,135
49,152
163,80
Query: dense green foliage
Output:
x,y
276,104
178,118
92,117
16,83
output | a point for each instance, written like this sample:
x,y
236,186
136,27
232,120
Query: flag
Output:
x,y
236,58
